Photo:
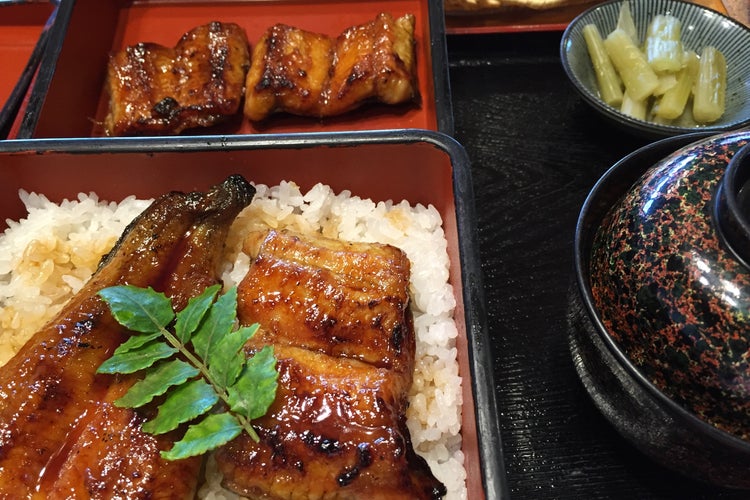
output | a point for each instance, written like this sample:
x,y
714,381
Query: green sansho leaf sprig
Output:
x,y
194,359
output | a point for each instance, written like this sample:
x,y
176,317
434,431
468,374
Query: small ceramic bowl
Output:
x,y
660,310
701,27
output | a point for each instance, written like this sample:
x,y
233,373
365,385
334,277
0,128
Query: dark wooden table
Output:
x,y
536,150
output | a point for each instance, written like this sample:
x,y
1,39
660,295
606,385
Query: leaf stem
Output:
x,y
220,390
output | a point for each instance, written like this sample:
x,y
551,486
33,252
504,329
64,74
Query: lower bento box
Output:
x,y
411,189
69,98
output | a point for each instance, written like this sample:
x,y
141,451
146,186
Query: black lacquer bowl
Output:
x,y
660,308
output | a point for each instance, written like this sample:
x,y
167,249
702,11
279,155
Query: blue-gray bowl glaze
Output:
x,y
701,26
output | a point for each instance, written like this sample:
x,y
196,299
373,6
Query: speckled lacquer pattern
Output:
x,y
673,298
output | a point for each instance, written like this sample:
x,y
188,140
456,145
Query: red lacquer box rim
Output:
x,y
420,166
68,97
24,33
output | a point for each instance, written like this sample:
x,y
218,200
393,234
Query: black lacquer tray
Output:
x,y
536,150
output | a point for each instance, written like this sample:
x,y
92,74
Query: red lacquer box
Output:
x,y
422,167
69,98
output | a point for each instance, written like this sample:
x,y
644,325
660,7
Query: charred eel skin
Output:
x,y
338,316
161,90
60,435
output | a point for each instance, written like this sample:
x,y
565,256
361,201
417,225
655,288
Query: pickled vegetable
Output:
x,y
672,103
639,79
686,118
661,121
659,80
709,92
666,82
625,22
663,46
610,87
636,108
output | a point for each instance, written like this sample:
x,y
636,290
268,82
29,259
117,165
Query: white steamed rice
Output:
x,y
47,257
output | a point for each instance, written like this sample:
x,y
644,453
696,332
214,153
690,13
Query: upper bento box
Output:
x,y
69,97
22,29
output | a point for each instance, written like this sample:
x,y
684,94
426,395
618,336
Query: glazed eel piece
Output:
x,y
165,90
60,434
338,317
310,74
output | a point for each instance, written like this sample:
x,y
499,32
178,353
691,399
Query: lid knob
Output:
x,y
732,206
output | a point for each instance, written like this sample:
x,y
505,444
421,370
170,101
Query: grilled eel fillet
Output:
x,y
338,317
60,434
160,90
309,74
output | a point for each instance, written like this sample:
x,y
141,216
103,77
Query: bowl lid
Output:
x,y
670,283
